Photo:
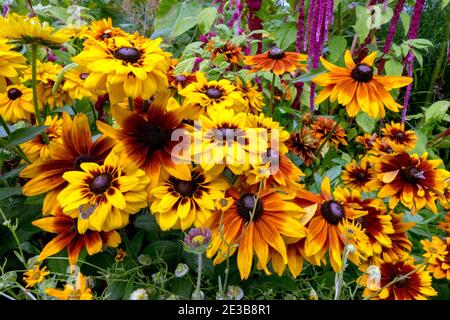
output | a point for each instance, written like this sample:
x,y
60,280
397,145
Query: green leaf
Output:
x,y
182,287
187,18
418,56
116,290
185,66
337,46
309,76
7,192
365,122
59,13
183,25
406,20
419,43
60,77
393,68
167,250
444,4
363,22
206,19
11,174
437,111
23,135
137,241
286,35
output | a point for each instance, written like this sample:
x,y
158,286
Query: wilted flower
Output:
x,y
235,293
197,240
373,277
313,295
181,270
198,295
144,259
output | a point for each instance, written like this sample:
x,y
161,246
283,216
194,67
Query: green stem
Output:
x,y
39,120
339,277
130,103
13,232
130,250
93,111
272,94
17,150
199,275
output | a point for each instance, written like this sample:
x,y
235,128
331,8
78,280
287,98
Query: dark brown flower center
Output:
x,y
126,54
100,183
245,206
106,35
401,283
180,78
155,137
213,93
362,73
360,176
400,136
81,159
83,76
14,94
276,53
332,211
412,175
388,149
185,188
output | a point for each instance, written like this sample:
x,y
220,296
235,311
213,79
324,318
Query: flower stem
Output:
x,y
199,275
17,150
272,94
339,277
7,223
39,120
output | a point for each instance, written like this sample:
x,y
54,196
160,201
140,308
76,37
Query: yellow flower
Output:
x,y
396,133
103,196
102,31
358,176
251,95
126,67
181,203
203,95
437,255
30,30
16,103
79,291
35,275
11,63
352,234
36,148
356,87
74,84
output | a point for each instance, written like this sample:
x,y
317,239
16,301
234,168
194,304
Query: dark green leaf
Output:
x,y
7,192
23,135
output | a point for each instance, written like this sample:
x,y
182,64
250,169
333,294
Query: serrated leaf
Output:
x,y
206,19
23,135
365,122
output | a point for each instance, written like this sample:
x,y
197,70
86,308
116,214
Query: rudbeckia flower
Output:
x,y
203,95
30,30
102,31
383,146
254,223
445,225
304,144
417,286
414,181
34,276
36,148
181,203
77,147
11,63
367,140
16,103
103,196
356,87
74,84
67,236
276,60
127,67
396,133
230,51
295,255
324,126
79,291
147,141
181,81
437,255
322,225
357,176
251,95
352,234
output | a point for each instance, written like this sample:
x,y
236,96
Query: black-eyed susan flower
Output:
x,y
180,203
222,141
367,140
322,127
356,87
147,141
77,147
16,103
77,291
413,282
182,80
413,180
35,275
67,236
295,258
355,239
251,96
254,222
401,246
437,255
203,95
445,225
231,52
127,67
36,148
102,31
382,146
276,60
30,30
11,64
74,84
103,196
396,133
357,176
304,144
322,225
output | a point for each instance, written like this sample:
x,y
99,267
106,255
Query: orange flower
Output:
x,y
323,126
277,61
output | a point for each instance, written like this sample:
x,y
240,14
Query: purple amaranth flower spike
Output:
x,y
300,24
254,23
412,34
